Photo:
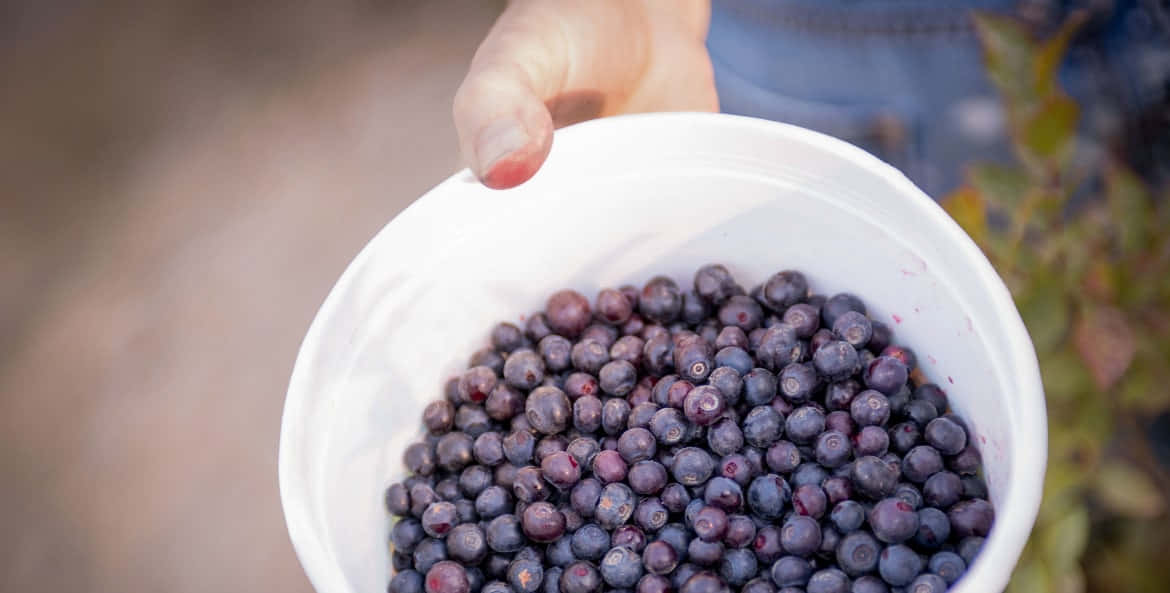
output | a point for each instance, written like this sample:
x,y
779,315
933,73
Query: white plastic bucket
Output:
x,y
619,200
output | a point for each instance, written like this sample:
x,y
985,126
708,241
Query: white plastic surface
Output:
x,y
620,200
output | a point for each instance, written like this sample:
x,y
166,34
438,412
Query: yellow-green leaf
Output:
x,y
1049,131
1066,538
1128,491
1030,577
1007,50
1045,309
968,209
1131,207
1001,185
1065,376
1052,50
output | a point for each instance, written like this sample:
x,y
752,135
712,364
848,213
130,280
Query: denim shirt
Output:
x,y
903,79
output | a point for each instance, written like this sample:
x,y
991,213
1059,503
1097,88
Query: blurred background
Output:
x,y
184,181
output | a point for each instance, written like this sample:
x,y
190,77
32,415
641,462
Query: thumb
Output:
x,y
505,129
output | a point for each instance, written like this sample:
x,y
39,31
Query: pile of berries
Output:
x,y
707,440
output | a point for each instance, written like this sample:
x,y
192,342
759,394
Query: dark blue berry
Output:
x,y
618,377
438,519
474,480
723,493
920,463
493,502
736,358
836,360
621,567
615,414
529,485
476,383
899,565
920,412
857,553
869,584
438,417
660,300
741,531
397,499
704,553
839,394
615,507
853,328
847,516
525,575
612,307
785,289
580,577
406,581
446,577
800,536
675,497
873,477
893,520
488,449
504,534
838,487
767,544
759,387
637,444
646,477
609,467
879,341
828,580
762,426
629,349
504,403
659,558
677,535
704,405
589,356
967,462
741,311
668,426
928,583
933,528
804,424
406,534
946,436
870,408
791,571
759,585
871,440
767,495
710,524
630,536
838,305
932,393
467,544
778,347
809,472
657,354
651,515
548,410
567,313
736,467
578,385
948,565
715,284
942,490
738,567
797,382
427,553
885,374
419,458
809,500
832,449
974,487
472,420
693,359
971,517
904,436
782,457
910,494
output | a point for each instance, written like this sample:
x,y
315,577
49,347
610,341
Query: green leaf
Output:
x,y
1007,50
1128,491
1131,207
1066,538
1052,50
968,209
1065,376
1030,577
1004,186
1045,309
1049,132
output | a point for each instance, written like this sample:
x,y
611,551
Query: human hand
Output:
x,y
550,63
